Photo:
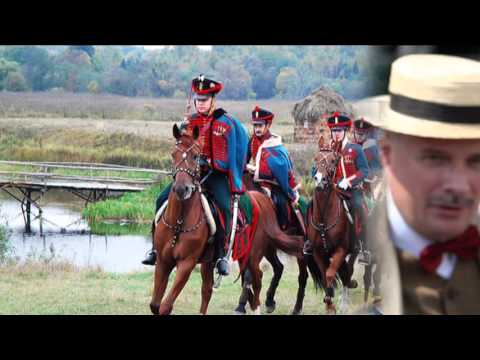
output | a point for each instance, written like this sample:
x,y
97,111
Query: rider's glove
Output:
x,y
297,198
344,184
251,168
267,191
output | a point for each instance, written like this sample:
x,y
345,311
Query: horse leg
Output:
x,y
184,269
302,283
244,296
162,273
207,285
328,286
277,266
367,280
376,284
350,267
256,285
345,274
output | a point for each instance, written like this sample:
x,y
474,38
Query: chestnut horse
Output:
x,y
181,237
277,267
329,230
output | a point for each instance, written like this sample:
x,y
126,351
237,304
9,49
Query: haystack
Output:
x,y
322,101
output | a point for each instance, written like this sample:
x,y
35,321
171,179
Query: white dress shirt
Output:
x,y
408,240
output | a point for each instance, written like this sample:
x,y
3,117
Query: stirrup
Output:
x,y
309,250
365,257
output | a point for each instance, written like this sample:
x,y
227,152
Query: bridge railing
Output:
x,y
30,171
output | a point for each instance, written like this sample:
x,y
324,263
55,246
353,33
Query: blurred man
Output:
x,y
425,233
363,136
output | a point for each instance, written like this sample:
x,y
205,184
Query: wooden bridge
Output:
x,y
89,181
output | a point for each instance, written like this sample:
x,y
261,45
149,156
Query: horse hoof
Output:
x,y
256,311
296,312
270,306
240,311
154,308
353,284
331,310
270,309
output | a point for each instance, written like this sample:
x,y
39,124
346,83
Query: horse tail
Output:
x,y
315,272
289,244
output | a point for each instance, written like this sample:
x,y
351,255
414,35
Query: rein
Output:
x,y
323,228
195,175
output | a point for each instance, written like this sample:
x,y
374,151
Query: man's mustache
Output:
x,y
451,200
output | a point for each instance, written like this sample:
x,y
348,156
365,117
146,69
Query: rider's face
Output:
x,y
360,136
435,183
203,105
260,129
338,134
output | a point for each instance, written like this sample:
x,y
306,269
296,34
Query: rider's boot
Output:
x,y
151,258
307,247
221,264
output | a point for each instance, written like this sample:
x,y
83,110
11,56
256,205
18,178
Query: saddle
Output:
x,y
247,219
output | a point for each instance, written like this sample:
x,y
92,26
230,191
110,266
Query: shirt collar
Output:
x,y
408,240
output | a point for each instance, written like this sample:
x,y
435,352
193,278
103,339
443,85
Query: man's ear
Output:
x,y
385,148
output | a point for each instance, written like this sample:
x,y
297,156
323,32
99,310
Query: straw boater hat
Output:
x,y
435,96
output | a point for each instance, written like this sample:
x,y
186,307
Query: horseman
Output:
x,y
352,169
272,167
362,135
223,140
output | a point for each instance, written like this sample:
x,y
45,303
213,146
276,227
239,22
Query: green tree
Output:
x,y
287,83
36,65
7,67
236,80
15,82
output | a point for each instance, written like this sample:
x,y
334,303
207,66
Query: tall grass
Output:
x,y
61,104
138,207
5,246
75,145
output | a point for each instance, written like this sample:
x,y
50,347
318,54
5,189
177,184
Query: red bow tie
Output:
x,y
464,246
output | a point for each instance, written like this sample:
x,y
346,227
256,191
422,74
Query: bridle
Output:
x,y
195,175
323,228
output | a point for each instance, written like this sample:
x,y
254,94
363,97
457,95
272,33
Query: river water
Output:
x,y
67,236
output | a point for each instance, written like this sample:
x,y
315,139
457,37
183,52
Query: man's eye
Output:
x,y
474,162
434,159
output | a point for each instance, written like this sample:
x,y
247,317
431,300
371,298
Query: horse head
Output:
x,y
186,163
326,162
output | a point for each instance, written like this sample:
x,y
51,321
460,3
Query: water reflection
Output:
x,y
114,253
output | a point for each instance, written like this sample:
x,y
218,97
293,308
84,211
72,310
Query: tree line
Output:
x,y
248,72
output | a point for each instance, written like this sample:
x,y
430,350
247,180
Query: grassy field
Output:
x,y
42,287
60,104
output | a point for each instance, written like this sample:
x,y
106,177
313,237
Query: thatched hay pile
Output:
x,y
322,101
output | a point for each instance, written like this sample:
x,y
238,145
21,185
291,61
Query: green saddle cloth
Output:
x,y
303,205
245,204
